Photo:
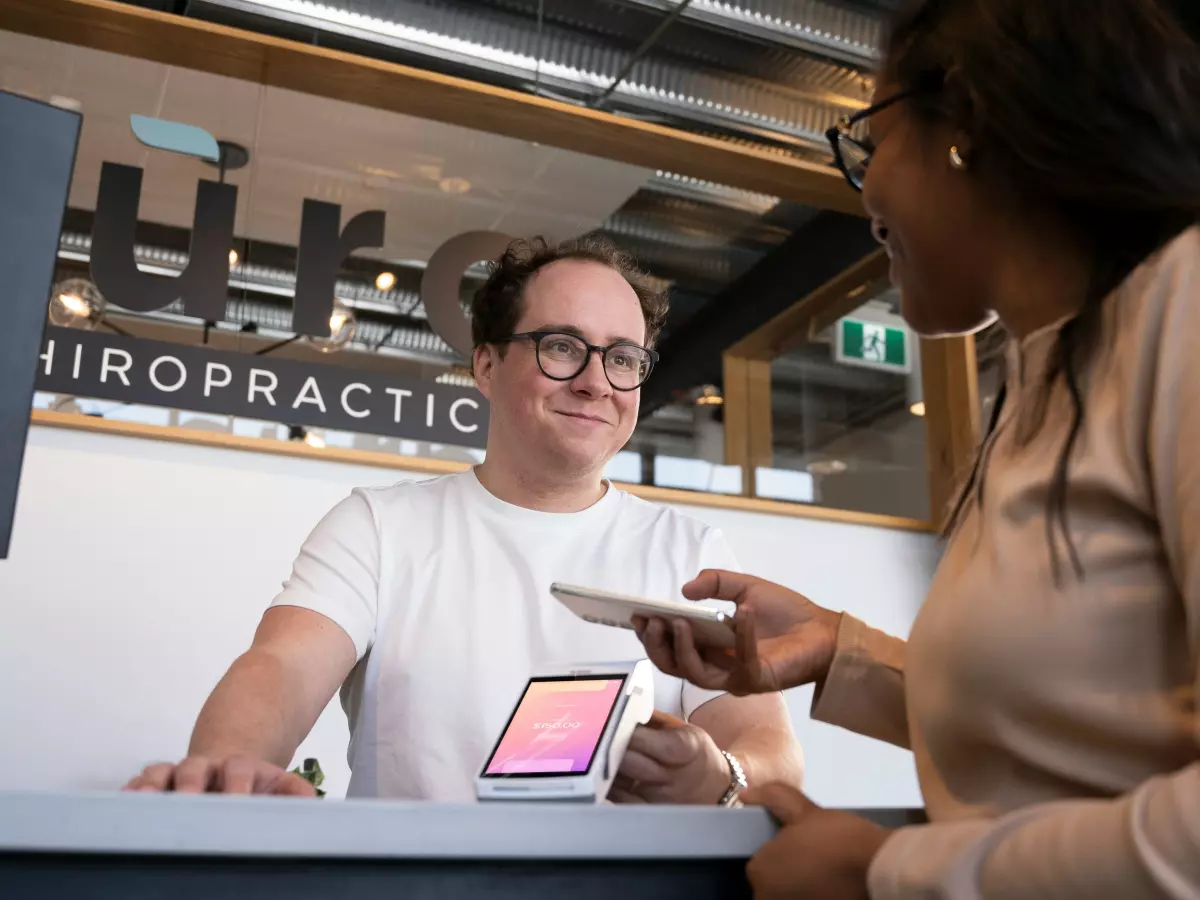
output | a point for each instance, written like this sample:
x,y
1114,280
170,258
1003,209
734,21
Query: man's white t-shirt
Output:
x,y
444,589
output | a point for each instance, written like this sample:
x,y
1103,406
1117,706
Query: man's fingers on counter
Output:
x,y
193,775
155,777
237,776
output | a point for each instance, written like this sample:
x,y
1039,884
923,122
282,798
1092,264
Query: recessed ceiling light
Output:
x,y
233,257
918,408
385,281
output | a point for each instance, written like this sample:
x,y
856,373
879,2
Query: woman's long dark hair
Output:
x,y
1089,111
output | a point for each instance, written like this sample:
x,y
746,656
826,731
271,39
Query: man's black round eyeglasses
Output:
x,y
853,154
563,356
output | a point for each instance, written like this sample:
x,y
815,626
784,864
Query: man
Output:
x,y
428,601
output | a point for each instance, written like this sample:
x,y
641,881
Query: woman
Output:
x,y
1038,160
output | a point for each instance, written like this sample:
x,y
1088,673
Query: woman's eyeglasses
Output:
x,y
562,356
853,154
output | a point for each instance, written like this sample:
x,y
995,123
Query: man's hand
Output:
x,y
261,710
230,775
670,761
784,640
818,854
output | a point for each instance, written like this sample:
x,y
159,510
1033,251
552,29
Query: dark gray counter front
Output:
x,y
176,847
141,846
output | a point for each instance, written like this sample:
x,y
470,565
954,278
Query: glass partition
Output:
x,y
847,417
301,175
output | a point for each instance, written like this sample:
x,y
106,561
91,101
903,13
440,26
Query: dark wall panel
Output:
x,y
37,156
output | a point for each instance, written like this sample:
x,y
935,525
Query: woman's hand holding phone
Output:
x,y
784,640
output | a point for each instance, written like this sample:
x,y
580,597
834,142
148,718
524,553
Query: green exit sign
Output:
x,y
872,344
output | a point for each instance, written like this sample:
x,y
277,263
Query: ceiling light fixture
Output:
x,y
77,303
385,281
454,185
74,304
343,325
233,257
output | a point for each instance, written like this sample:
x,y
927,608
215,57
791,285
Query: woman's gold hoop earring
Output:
x,y
956,158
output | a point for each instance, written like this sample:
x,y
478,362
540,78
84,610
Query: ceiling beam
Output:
x,y
815,312
262,59
814,255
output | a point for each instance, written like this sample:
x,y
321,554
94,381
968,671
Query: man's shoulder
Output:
x,y
666,533
667,520
402,495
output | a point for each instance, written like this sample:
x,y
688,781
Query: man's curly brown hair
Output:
x,y
496,306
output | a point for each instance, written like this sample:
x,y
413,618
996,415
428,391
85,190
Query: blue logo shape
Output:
x,y
175,137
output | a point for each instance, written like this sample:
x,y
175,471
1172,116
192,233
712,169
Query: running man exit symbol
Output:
x,y
874,347
872,344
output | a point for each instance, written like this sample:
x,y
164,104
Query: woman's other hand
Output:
x,y
818,854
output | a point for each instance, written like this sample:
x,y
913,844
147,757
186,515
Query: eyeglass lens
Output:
x,y
855,158
564,356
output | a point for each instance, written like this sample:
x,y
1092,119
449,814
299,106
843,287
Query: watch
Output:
x,y
737,780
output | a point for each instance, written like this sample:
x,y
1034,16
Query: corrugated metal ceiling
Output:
x,y
783,75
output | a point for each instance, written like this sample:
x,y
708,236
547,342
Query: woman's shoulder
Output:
x,y
1160,300
1170,274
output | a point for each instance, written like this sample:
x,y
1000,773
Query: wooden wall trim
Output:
x,y
736,412
950,385
747,417
235,53
176,434
762,434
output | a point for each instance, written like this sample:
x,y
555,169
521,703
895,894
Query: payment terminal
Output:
x,y
568,733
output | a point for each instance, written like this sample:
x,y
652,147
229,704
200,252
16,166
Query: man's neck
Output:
x,y
516,485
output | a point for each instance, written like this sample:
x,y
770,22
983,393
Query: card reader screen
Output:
x,y
556,727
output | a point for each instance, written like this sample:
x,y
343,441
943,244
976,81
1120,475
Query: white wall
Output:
x,y
139,569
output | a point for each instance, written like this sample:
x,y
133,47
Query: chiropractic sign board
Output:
x,y
134,370
197,377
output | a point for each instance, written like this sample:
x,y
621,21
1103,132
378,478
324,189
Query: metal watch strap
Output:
x,y
737,781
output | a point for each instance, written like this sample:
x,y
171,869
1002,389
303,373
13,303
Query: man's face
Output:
x,y
575,427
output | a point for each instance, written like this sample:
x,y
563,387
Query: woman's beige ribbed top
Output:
x,y
1055,729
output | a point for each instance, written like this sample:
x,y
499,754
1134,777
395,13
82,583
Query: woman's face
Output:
x,y
932,218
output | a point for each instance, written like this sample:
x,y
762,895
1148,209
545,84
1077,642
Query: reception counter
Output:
x,y
140,846
149,845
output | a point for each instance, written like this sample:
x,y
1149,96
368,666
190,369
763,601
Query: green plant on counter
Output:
x,y
311,772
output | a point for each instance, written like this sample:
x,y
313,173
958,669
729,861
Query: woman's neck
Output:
x,y
1044,277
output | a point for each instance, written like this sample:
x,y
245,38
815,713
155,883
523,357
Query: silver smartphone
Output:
x,y
711,627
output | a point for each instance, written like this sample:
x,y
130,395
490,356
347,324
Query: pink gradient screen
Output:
x,y
556,727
